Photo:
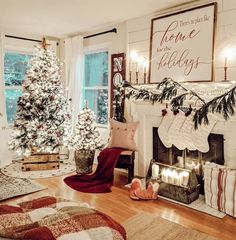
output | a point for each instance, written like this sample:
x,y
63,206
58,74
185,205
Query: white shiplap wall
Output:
x,y
138,34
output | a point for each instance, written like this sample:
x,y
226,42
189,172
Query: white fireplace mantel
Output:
x,y
149,115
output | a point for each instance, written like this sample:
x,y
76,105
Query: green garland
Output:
x,y
167,90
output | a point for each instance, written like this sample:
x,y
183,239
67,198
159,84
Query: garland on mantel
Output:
x,y
170,90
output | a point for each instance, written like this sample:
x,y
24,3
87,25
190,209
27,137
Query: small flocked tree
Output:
x,y
86,136
42,118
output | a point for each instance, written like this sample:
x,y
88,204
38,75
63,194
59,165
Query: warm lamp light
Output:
x,y
133,55
228,54
145,69
138,61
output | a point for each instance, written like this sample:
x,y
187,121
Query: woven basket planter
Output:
x,y
84,161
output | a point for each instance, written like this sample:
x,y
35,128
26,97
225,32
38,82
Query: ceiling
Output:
x,y
60,18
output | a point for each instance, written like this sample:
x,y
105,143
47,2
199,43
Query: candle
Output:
x,y
185,176
164,176
145,66
176,178
155,171
171,178
180,161
133,56
226,62
137,66
130,64
179,180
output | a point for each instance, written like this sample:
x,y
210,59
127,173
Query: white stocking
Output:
x,y
200,136
164,128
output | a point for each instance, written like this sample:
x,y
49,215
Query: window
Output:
x,y
15,66
95,84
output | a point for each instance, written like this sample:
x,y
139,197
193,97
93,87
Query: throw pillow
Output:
x,y
122,135
220,185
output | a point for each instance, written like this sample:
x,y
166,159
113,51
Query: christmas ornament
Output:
x,y
86,136
42,119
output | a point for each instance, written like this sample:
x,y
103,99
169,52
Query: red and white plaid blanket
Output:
x,y
50,218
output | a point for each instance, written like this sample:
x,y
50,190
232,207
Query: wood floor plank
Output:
x,y
118,205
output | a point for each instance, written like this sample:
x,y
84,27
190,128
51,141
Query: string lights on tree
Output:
x,y
86,136
42,119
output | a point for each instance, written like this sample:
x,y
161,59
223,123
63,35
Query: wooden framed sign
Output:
x,y
118,72
182,45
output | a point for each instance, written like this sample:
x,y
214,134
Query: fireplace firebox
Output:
x,y
186,159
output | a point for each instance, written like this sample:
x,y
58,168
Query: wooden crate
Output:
x,y
178,193
41,162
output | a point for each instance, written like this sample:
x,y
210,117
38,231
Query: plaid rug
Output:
x,y
13,187
50,218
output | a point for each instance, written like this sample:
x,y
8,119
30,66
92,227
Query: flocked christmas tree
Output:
x,y
86,137
42,120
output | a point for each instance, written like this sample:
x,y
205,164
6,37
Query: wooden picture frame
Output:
x,y
182,45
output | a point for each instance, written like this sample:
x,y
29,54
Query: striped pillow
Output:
x,y
220,188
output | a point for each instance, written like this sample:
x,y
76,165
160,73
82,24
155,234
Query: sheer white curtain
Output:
x,y
74,73
5,154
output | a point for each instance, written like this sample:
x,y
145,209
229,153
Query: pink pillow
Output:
x,y
122,134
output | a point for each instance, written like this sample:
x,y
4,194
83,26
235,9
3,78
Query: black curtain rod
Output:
x,y
39,41
21,38
114,30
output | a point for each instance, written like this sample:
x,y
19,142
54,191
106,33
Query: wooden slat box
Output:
x,y
178,193
184,194
41,162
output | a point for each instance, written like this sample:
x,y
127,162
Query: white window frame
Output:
x,y
97,49
13,49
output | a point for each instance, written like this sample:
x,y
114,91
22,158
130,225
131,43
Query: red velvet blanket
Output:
x,y
100,181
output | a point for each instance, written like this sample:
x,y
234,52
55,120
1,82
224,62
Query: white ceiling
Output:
x,y
60,18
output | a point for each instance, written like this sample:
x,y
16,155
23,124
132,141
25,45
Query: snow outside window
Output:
x,y
15,67
95,84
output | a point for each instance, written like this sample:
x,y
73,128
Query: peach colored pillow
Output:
x,y
122,134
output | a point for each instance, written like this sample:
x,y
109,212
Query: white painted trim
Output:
x,y
23,50
13,87
96,48
96,88
2,82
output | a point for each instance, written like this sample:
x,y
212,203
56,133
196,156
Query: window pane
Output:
x,y
96,69
15,65
98,101
12,96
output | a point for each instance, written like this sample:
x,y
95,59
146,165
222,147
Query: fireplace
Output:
x,y
169,155
150,116
190,159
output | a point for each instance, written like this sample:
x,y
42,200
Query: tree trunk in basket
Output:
x,y
84,161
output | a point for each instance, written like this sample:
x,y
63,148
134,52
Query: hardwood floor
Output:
x,y
118,205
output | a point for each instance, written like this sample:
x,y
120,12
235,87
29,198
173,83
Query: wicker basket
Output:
x,y
84,161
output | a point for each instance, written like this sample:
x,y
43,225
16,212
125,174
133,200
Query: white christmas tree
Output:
x,y
42,119
86,135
